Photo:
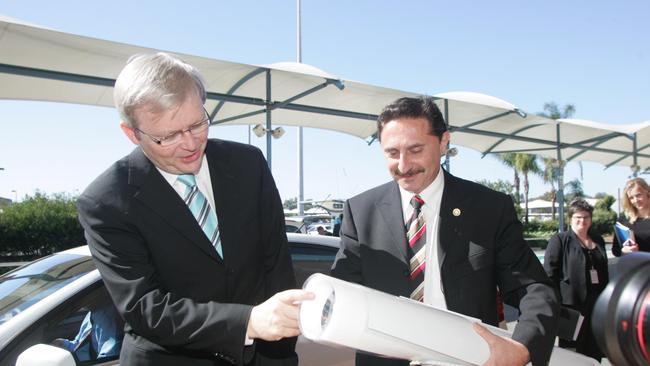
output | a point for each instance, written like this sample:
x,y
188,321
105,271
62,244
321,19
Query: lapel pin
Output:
x,y
456,212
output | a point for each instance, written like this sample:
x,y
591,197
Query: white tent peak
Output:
x,y
300,68
8,19
477,98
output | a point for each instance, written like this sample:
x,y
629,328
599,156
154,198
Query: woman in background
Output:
x,y
576,262
636,205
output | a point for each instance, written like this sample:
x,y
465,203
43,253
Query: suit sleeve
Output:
x,y
616,246
279,274
553,260
524,284
163,317
347,265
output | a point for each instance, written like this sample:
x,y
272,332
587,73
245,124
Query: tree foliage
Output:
x,y
499,185
290,204
604,218
40,225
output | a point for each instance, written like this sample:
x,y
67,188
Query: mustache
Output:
x,y
409,172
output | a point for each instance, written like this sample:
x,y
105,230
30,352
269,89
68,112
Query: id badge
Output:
x,y
594,276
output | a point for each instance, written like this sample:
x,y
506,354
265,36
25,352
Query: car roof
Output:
x,y
329,241
80,250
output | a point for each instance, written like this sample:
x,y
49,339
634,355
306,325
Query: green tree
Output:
x,y
550,176
40,225
551,165
509,160
604,217
553,111
290,203
527,164
500,185
573,190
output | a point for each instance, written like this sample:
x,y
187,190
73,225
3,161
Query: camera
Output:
x,y
621,315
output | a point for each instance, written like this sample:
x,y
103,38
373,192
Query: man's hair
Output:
x,y
158,81
422,107
630,211
580,205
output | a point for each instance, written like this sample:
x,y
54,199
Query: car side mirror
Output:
x,y
44,354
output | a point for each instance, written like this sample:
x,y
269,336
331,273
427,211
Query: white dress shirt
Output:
x,y
204,184
202,181
432,196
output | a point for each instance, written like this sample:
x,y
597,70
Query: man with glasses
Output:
x,y
188,232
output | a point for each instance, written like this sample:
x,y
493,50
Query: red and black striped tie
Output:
x,y
416,233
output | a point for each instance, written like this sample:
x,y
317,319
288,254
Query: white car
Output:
x,y
48,299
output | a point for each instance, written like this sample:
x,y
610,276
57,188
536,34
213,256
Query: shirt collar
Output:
x,y
429,194
171,178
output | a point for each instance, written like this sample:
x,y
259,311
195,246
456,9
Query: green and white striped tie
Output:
x,y
200,208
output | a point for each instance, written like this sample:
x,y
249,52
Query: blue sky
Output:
x,y
593,54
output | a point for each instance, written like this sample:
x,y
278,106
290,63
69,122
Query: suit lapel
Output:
x,y
224,191
390,208
452,208
154,192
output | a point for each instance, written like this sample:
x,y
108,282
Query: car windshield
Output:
x,y
27,285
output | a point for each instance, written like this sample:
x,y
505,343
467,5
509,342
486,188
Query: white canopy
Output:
x,y
43,64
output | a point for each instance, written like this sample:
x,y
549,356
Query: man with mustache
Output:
x,y
445,241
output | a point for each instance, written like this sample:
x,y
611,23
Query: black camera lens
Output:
x,y
621,316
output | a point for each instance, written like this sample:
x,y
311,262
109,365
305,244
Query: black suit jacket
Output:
x,y
566,266
181,302
480,248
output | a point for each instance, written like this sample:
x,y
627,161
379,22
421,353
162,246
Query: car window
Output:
x,y
311,258
91,330
21,288
292,229
87,325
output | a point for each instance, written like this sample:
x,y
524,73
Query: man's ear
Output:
x,y
444,142
130,133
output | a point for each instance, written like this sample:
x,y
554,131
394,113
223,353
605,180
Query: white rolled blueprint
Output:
x,y
355,316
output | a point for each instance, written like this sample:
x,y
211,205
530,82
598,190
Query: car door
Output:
x,y
87,325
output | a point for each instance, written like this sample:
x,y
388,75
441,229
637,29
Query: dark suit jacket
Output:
x,y
565,264
183,304
480,248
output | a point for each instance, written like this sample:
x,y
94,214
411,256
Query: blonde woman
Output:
x,y
636,205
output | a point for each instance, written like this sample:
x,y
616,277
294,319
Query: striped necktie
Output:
x,y
416,230
200,208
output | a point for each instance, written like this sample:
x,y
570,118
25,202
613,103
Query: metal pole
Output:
x,y
560,181
635,167
301,191
447,162
268,118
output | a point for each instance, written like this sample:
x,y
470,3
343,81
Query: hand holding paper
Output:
x,y
358,317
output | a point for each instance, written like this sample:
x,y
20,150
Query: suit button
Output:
x,y
407,272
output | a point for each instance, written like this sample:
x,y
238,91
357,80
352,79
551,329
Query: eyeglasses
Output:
x,y
581,217
176,136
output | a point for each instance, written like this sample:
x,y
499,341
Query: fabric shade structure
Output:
x,y
37,63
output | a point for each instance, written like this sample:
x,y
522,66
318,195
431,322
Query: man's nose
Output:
x,y
403,163
188,141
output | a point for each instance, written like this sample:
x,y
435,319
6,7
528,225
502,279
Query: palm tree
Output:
x,y
525,164
509,160
550,176
552,111
574,190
